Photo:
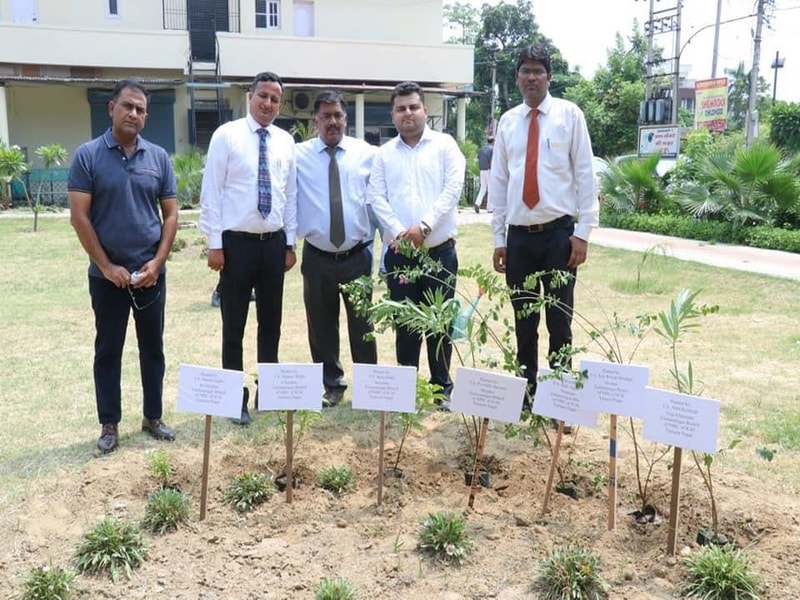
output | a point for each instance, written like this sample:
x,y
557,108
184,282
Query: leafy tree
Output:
x,y
785,126
462,17
611,99
498,34
739,96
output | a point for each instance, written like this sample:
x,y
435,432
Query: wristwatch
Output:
x,y
425,229
289,248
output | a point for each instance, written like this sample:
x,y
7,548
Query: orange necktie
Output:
x,y
530,189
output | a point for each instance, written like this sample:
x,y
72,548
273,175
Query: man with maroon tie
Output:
x,y
545,205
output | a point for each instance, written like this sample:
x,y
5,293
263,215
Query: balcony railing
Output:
x,y
202,15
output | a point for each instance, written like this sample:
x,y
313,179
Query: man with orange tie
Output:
x,y
542,188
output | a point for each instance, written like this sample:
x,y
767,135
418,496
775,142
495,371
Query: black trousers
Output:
x,y
112,307
251,263
409,343
322,274
527,253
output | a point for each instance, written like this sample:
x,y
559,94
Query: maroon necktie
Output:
x,y
530,189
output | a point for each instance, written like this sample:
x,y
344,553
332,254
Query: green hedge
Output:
x,y
761,236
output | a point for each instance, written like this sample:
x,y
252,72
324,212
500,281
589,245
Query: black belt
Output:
x,y
342,255
443,246
561,222
267,235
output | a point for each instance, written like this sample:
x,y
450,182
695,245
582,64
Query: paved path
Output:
x,y
742,258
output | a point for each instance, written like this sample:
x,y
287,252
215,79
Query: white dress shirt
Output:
x,y
229,196
564,169
354,158
410,185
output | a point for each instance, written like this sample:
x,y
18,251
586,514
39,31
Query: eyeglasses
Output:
x,y
526,72
143,298
331,116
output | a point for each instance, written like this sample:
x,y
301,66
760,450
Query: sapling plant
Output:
x,y
427,397
682,316
487,338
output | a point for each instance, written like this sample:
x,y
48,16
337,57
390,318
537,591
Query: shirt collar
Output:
x,y
320,146
255,125
544,105
111,141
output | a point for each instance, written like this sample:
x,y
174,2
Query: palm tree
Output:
x,y
188,169
13,167
742,185
52,155
632,184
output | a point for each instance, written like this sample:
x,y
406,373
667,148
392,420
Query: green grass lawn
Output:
x,y
746,356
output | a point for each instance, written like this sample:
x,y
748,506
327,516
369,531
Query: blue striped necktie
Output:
x,y
264,182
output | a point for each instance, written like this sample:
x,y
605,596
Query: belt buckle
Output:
x,y
341,255
536,228
265,235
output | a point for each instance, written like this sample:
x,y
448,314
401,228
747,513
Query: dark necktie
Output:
x,y
530,189
264,183
335,190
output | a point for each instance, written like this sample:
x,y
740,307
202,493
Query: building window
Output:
x,y
268,14
112,8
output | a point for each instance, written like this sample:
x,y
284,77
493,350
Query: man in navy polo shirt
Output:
x,y
117,182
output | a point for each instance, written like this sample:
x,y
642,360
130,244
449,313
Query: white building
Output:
x,y
60,58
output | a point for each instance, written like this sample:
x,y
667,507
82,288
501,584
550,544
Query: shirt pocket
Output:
x,y
554,149
278,172
145,182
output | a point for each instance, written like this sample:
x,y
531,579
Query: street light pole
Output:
x,y
776,64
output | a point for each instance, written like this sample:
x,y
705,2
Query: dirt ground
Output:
x,y
283,550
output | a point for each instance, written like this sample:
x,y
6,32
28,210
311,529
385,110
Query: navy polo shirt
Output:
x,y
125,209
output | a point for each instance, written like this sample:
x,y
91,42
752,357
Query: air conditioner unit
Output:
x,y
303,101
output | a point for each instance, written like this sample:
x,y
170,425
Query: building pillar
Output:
x,y
4,132
461,119
359,116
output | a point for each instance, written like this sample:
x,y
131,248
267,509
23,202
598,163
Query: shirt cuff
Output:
x,y
215,241
583,231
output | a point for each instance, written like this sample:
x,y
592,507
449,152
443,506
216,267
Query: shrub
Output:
x,y
719,573
112,546
334,589
336,479
444,536
166,509
160,466
50,582
572,573
248,490
773,238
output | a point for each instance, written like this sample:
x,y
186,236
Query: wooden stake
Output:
x,y
204,477
675,500
476,472
289,454
381,438
612,473
553,463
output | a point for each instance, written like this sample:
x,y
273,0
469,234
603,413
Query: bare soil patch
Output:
x,y
283,550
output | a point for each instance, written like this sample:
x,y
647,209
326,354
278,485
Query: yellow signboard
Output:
x,y
711,104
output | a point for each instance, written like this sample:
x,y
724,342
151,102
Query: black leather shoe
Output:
x,y
567,428
245,419
158,429
332,398
109,438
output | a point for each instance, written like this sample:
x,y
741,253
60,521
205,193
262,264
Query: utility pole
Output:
x,y
751,121
648,81
715,56
676,84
